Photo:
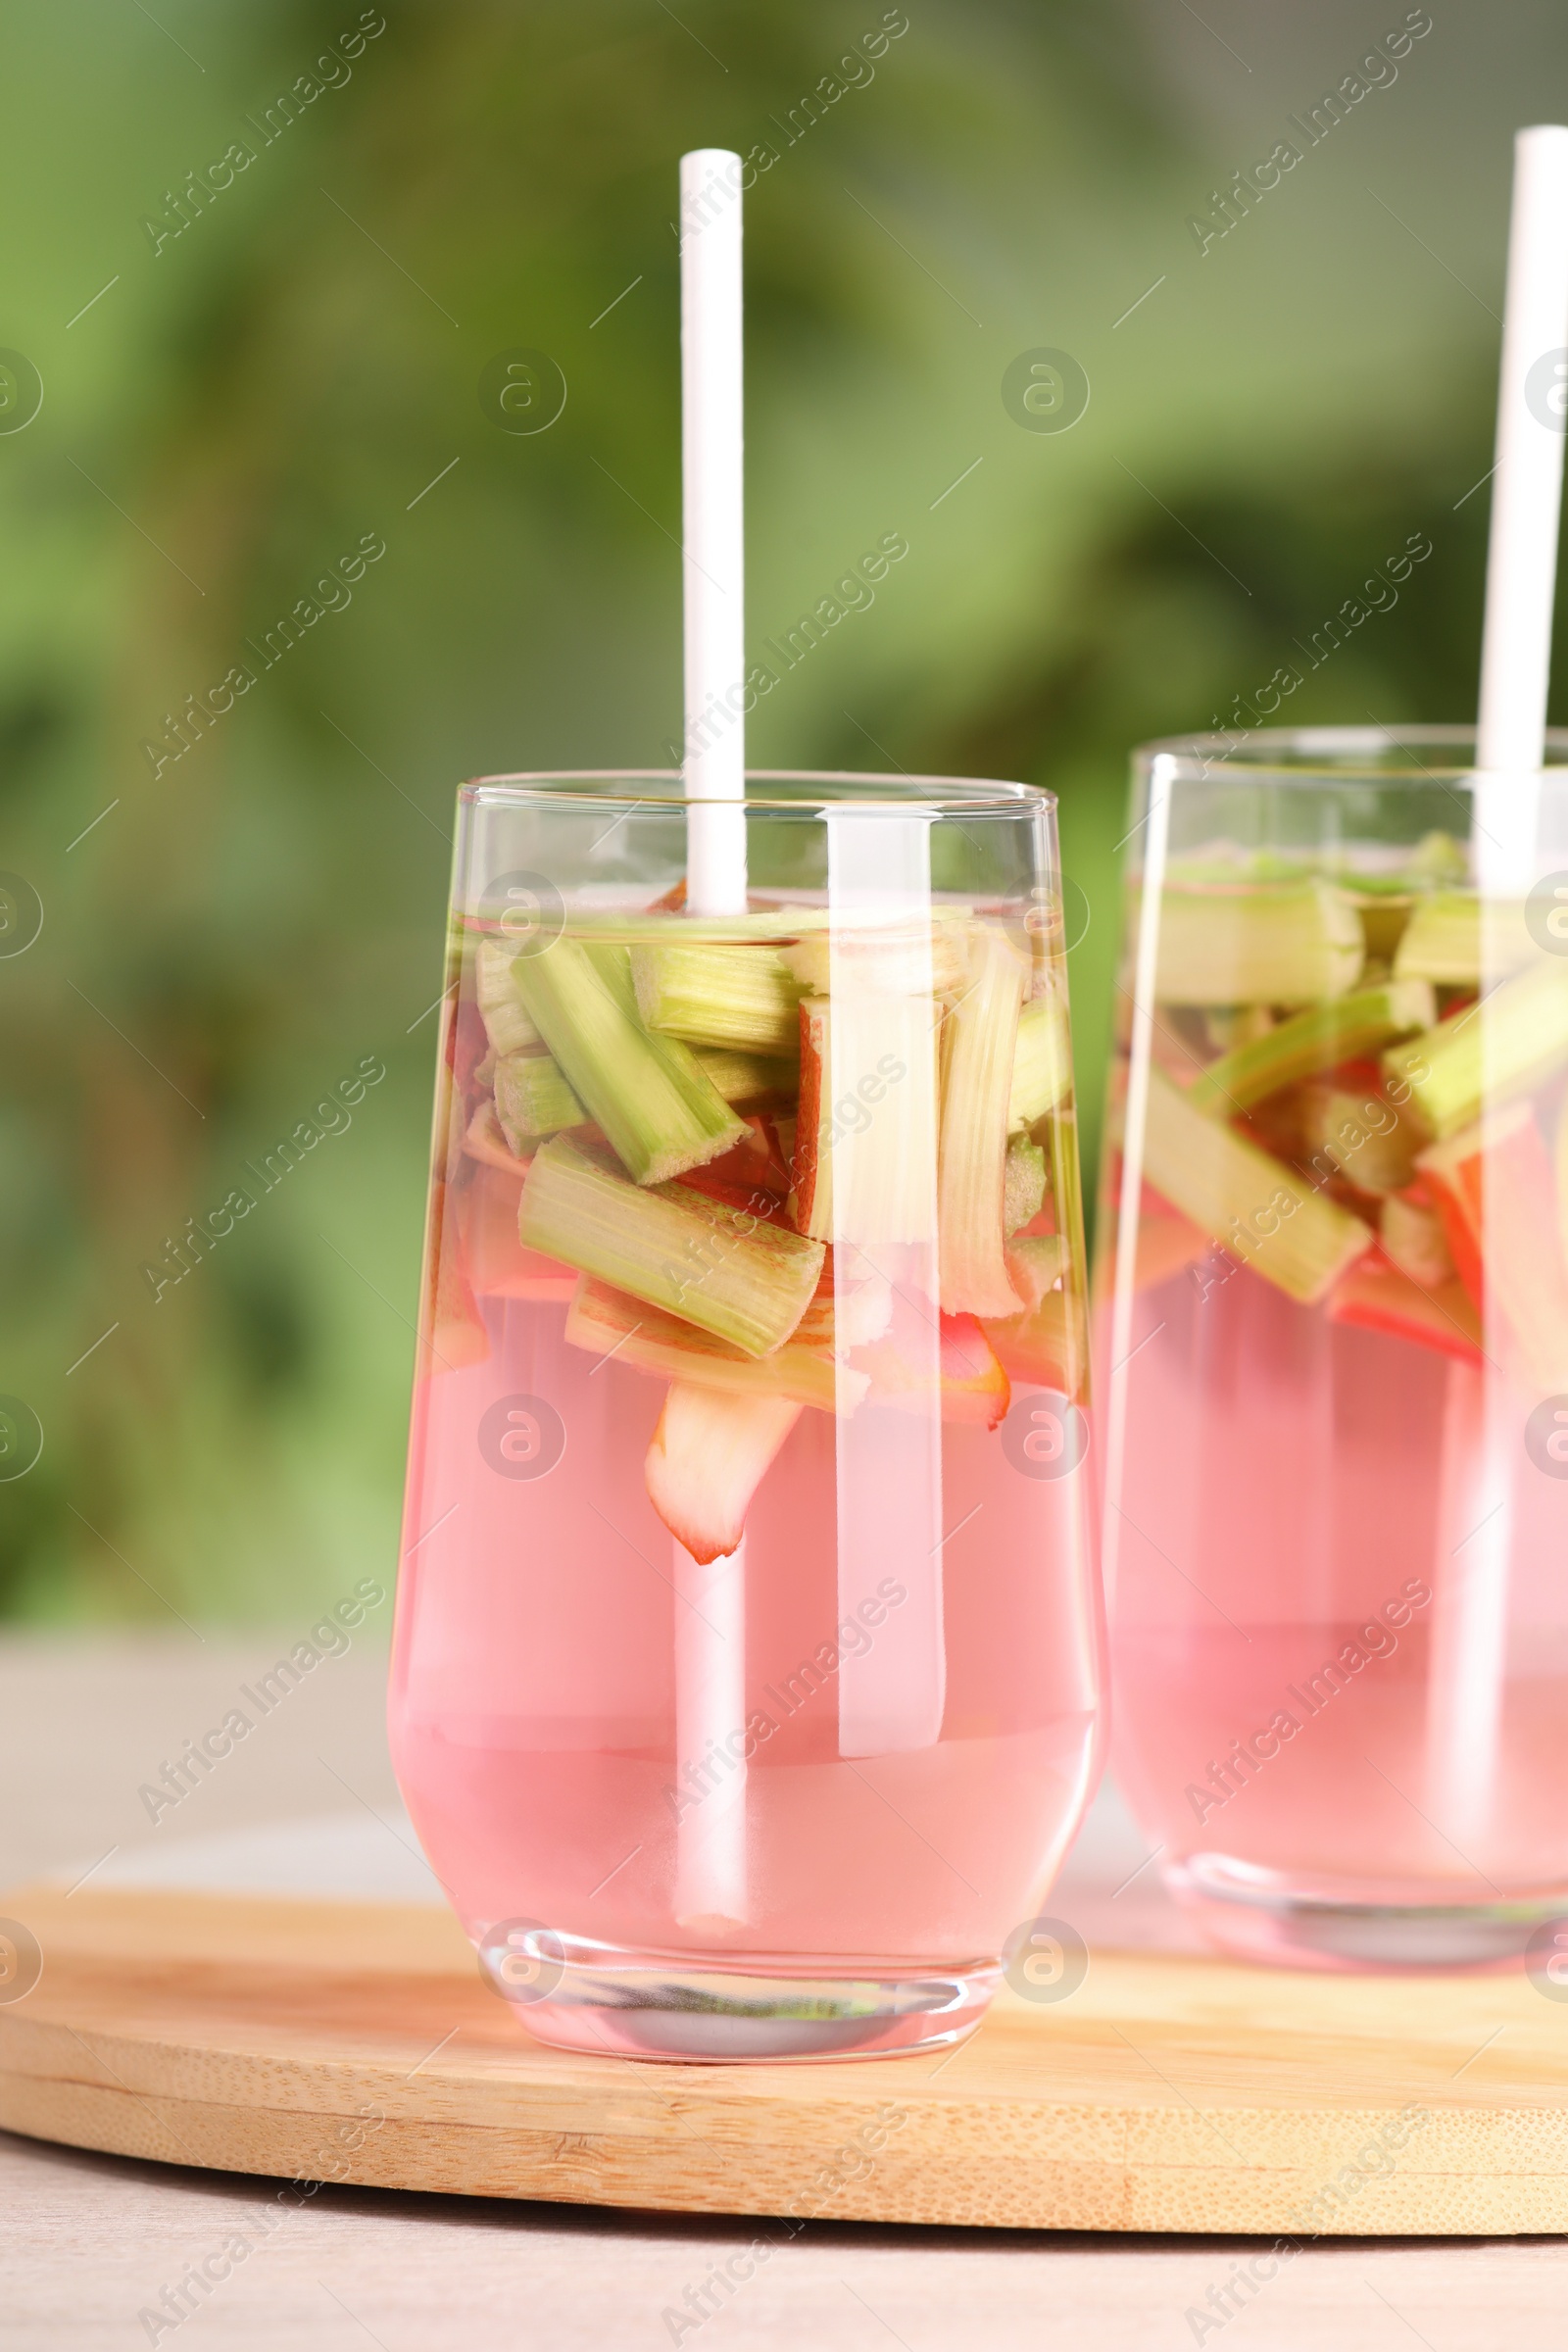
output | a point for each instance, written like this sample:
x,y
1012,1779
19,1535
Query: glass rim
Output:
x,y
948,796
1333,756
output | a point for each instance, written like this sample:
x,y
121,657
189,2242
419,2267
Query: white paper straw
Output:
x,y
711,1894
1527,484
1469,1635
711,1635
712,472
889,1499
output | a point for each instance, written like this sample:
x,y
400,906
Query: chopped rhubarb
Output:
x,y
865,1136
709,1455
1023,1183
501,1007
973,1387
741,1277
454,1334
533,1099
1049,1345
1414,1240
1376,1296
1289,942
1442,942
1312,1041
612,1325
484,1140
1257,1209
1514,1037
1036,1263
1495,1192
714,994
1041,1062
1066,1182
852,1304
1357,1134
978,1039
498,1264
660,1111
749,1077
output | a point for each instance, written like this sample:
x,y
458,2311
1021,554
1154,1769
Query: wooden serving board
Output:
x,y
357,2043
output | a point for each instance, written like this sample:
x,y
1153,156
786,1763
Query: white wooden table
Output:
x,y
90,2243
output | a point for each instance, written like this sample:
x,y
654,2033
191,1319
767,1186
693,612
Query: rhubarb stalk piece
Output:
x,y
498,1264
1376,1296
1413,1240
709,1455
649,1094
1362,1136
722,1268
1312,1041
506,1017
533,1099
973,1385
747,1077
456,1336
1260,1210
979,1037
1023,1183
714,994
1050,1345
1507,1043
612,1325
484,1140
1497,1194
865,1138
1252,943
1452,939
1041,1062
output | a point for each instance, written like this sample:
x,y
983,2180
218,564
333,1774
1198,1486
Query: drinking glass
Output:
x,y
1333,1297
745,1687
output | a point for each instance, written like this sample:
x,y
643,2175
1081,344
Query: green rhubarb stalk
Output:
x,y
610,1323
533,1099
502,1009
1066,1185
484,1140
745,1077
1023,1190
1442,942
1415,1241
1255,1208
713,994
1312,1041
1292,943
1456,939
650,1095
1512,1039
712,1265
1037,1264
1362,1136
1041,1062
979,1037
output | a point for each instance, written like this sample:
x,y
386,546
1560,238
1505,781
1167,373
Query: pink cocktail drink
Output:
x,y
1335,1301
745,1686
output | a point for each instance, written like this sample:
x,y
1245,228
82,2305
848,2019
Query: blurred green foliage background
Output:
x,y
240,402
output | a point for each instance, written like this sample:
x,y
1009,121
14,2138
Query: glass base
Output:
x,y
1259,1915
598,1998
